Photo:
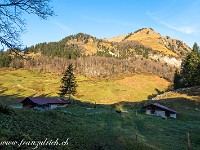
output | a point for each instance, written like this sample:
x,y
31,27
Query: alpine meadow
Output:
x,y
103,75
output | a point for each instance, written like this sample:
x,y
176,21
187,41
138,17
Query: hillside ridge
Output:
x,y
150,38
125,46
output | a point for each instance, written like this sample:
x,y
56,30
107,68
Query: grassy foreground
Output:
x,y
23,83
101,128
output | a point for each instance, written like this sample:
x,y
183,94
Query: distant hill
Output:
x,y
128,45
144,42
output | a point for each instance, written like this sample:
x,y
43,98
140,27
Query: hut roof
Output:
x,y
42,101
160,106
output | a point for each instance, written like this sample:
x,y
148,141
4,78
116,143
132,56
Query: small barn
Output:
x,y
43,103
159,110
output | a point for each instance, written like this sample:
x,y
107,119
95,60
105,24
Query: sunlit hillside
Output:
x,y
23,83
148,37
116,39
151,39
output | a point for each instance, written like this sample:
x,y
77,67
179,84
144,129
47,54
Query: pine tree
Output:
x,y
195,48
177,80
190,67
190,73
69,83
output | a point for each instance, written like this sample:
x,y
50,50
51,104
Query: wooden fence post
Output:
x,y
136,136
188,140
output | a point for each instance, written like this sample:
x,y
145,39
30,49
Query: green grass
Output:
x,y
85,129
102,128
23,83
26,83
99,128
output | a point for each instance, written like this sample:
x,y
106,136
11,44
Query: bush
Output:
x,y
6,110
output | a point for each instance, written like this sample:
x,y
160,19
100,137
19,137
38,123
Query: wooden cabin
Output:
x,y
43,103
159,110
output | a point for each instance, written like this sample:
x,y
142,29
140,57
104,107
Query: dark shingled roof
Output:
x,y
43,101
160,106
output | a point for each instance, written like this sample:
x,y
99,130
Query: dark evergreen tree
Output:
x,y
189,67
177,80
5,59
195,48
189,74
69,83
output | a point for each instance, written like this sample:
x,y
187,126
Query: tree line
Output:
x,y
96,66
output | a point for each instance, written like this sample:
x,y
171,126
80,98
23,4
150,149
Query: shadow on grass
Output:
x,y
106,130
173,103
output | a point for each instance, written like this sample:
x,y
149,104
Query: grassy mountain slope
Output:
x,y
90,126
116,39
24,83
134,88
149,38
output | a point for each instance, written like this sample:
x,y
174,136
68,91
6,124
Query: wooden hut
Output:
x,y
43,103
159,110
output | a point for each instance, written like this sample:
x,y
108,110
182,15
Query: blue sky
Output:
x,y
178,19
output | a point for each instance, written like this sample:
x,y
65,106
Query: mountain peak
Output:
x,y
142,33
154,40
139,32
144,29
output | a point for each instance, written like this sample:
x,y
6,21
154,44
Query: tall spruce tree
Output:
x,y
69,83
190,73
177,80
190,67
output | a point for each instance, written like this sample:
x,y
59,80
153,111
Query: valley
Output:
x,y
99,75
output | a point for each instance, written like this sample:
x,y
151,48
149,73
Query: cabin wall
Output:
x,y
28,104
41,107
160,113
173,115
53,106
155,112
148,112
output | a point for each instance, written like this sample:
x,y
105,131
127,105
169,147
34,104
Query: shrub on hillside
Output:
x,y
6,110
